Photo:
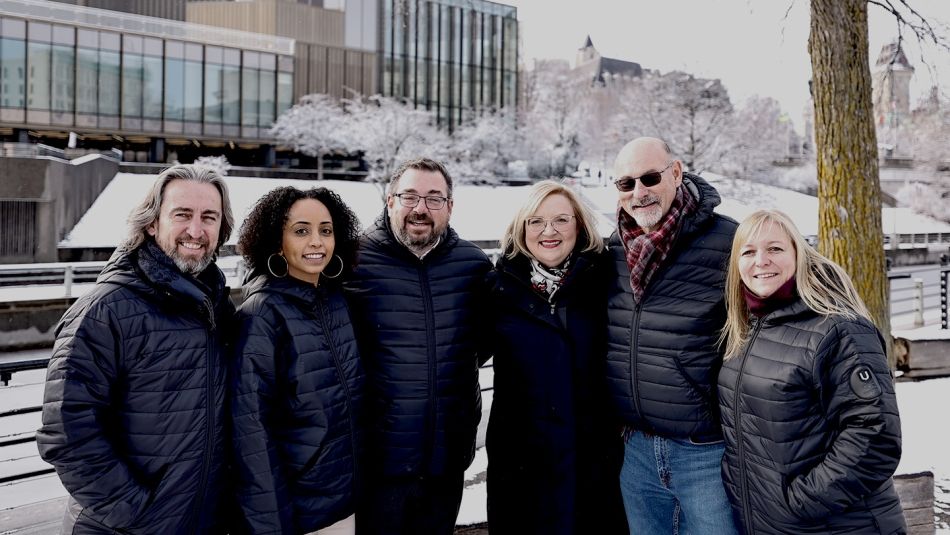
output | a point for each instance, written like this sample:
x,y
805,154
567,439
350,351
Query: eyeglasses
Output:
x,y
647,179
411,200
538,224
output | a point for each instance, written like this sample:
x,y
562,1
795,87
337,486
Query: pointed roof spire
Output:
x,y
588,43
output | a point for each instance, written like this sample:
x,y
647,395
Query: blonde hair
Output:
x,y
822,284
514,243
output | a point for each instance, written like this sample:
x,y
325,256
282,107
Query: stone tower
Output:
x,y
891,87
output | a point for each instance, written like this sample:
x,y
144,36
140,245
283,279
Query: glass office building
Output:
x,y
118,75
453,57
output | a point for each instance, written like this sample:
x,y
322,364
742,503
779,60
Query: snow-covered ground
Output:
x,y
926,446
480,213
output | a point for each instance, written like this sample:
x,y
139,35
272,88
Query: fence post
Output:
x,y
944,275
68,280
918,302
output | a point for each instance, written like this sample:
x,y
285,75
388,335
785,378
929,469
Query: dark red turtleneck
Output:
x,y
762,306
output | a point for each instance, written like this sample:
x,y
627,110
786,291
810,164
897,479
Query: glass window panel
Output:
x,y
231,83
285,91
64,76
109,79
250,91
12,73
131,85
152,82
214,96
267,95
38,80
87,80
193,91
174,89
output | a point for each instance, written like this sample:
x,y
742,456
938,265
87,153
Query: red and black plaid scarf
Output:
x,y
646,251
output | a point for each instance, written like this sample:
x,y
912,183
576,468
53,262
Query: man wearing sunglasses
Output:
x,y
665,311
415,299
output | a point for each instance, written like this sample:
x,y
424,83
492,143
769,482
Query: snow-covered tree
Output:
x,y
932,200
757,135
556,102
219,164
314,127
482,148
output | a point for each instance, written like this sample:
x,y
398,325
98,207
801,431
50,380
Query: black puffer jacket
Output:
x,y
134,408
554,453
419,327
811,427
662,357
298,388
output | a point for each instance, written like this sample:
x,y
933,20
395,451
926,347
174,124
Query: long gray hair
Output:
x,y
148,211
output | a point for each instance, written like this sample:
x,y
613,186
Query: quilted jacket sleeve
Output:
x,y
262,491
74,438
859,395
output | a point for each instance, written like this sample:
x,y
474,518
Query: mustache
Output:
x,y
419,218
187,237
645,200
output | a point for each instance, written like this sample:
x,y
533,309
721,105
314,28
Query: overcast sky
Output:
x,y
753,46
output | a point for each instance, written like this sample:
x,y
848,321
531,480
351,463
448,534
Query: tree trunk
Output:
x,y
849,191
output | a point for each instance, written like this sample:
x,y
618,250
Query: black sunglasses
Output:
x,y
647,179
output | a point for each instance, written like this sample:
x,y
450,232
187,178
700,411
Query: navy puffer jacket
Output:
x,y
134,407
662,353
811,427
298,388
419,322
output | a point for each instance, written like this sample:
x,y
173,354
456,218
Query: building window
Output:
x,y
109,83
13,73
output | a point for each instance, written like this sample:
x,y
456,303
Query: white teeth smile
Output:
x,y
314,256
550,243
766,275
190,245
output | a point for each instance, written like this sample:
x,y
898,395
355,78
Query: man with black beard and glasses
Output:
x,y
133,412
415,298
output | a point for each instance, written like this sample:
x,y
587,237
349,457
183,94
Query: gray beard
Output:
x,y
192,266
416,245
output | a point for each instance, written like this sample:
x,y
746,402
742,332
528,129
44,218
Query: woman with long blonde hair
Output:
x,y
808,409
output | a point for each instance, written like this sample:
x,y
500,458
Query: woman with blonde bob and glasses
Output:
x,y
553,456
809,414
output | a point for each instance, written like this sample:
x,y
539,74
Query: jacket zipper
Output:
x,y
209,414
429,435
346,386
744,487
634,330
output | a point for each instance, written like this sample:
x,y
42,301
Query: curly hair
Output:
x,y
263,230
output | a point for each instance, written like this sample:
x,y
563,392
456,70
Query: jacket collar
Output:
x,y
381,233
289,287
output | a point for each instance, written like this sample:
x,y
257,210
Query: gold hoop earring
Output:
x,y
338,273
271,269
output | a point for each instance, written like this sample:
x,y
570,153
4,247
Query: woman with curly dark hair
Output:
x,y
297,378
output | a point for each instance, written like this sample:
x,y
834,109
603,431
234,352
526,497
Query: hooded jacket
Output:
x,y
297,401
134,405
662,354
419,323
811,427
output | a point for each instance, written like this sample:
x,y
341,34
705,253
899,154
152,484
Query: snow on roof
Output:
x,y
480,213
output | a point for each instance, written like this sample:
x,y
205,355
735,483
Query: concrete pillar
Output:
x,y
156,150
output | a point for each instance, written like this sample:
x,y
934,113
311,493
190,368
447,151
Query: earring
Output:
x,y
271,269
338,273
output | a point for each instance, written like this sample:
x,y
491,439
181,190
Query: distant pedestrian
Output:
x,y
554,453
417,298
665,310
134,406
298,379
808,408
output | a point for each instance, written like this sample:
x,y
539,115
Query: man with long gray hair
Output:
x,y
133,412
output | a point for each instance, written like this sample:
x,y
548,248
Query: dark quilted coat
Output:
x,y
811,439
662,356
134,408
298,388
554,453
419,323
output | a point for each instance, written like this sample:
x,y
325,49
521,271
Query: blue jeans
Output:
x,y
674,486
